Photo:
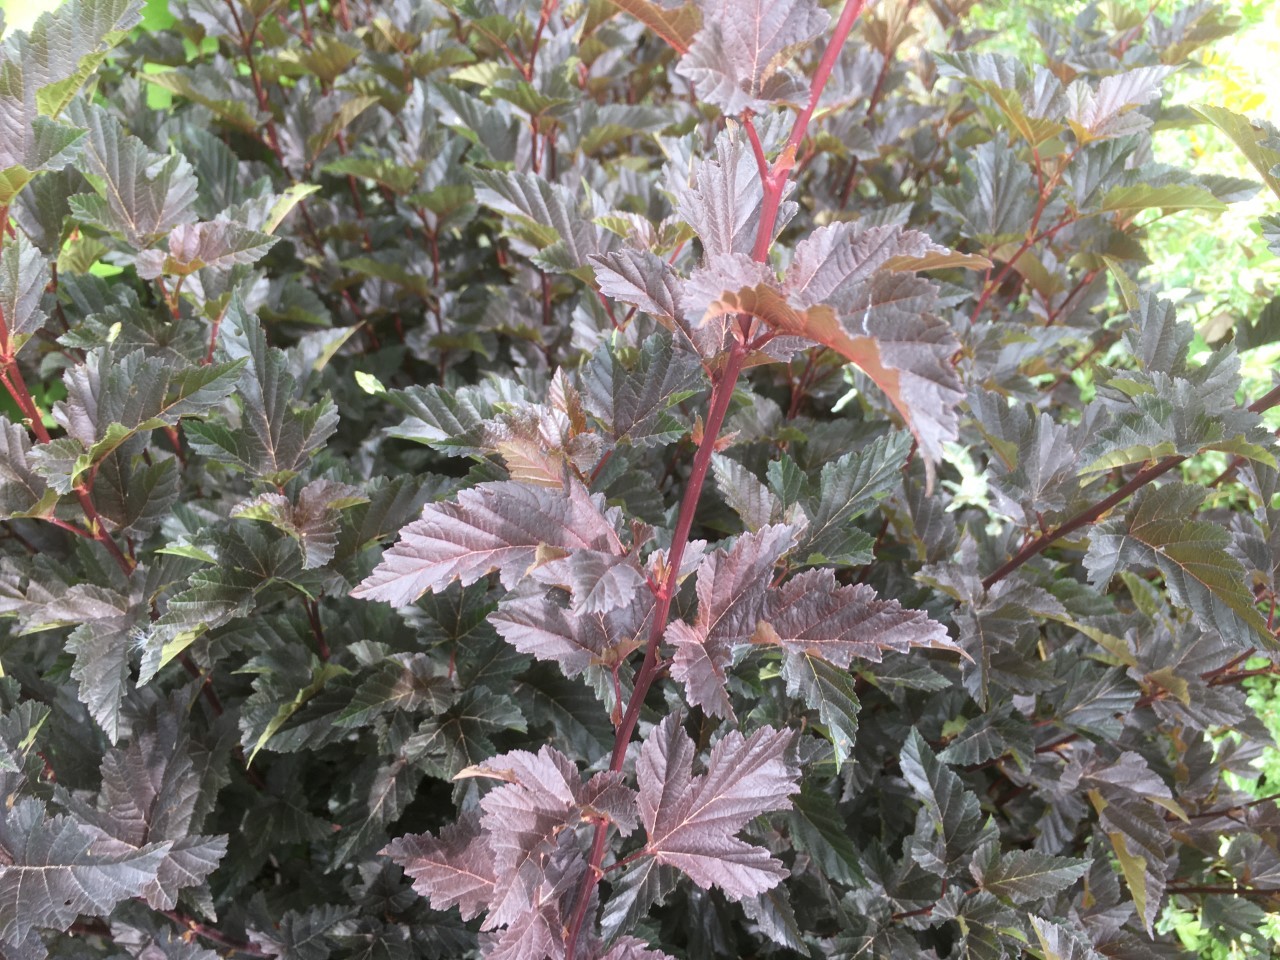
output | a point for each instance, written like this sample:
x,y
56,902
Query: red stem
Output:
x,y
306,24
1241,891
1091,514
548,8
721,394
776,180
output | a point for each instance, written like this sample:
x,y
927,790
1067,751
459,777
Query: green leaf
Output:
x,y
24,272
746,496
451,421
23,492
829,690
1060,941
1263,330
112,399
320,676
850,486
102,648
1172,197
1255,138
140,194
995,198
1032,101
1143,845
630,392
406,682
460,737
545,218
1200,575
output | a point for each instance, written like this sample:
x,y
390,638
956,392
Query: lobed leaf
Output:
x,y
691,821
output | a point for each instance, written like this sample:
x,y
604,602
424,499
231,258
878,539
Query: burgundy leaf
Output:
x,y
523,820
596,581
736,57
454,870
494,526
722,199
629,948
888,329
834,260
692,821
540,626
536,932
731,592
811,615
642,279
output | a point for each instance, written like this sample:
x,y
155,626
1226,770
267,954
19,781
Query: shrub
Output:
x,y
801,529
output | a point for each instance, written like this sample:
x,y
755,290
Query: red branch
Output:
x,y
11,377
1091,514
774,179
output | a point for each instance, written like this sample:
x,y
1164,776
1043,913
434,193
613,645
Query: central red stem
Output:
x,y
774,179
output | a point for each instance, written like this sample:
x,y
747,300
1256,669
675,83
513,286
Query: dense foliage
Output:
x,y
621,480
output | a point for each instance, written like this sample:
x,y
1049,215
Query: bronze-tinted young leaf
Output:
x,y
692,821
890,332
832,262
722,196
542,795
675,23
540,626
522,259
1108,112
198,246
312,520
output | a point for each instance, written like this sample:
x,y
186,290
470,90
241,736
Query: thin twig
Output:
x,y
1091,514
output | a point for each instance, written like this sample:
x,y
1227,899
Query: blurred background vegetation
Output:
x,y
1214,265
